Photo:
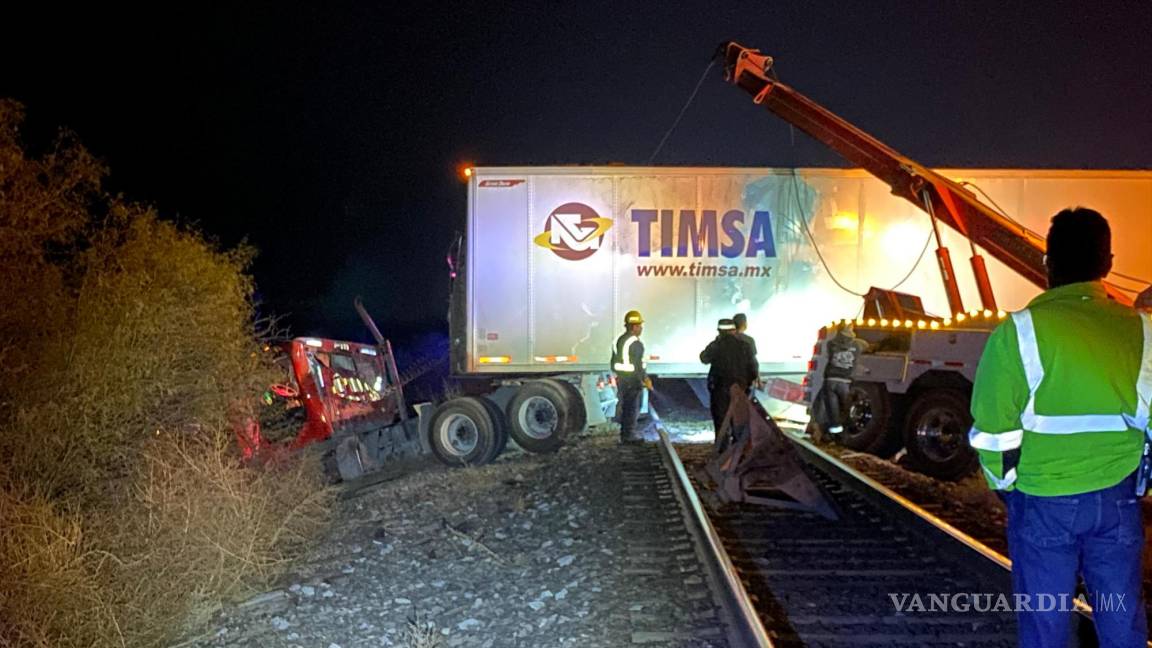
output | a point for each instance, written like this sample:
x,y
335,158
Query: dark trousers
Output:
x,y
830,405
628,391
719,400
1099,534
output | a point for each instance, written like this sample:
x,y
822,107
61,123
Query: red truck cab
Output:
x,y
332,390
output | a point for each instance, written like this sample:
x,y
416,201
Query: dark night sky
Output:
x,y
329,136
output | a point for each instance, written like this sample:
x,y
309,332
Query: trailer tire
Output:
x,y
540,416
501,423
579,415
936,434
867,418
462,432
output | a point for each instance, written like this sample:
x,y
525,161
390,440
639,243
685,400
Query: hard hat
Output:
x,y
633,317
725,325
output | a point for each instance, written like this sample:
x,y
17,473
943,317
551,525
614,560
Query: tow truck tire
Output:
x,y
579,415
866,420
936,434
540,416
463,433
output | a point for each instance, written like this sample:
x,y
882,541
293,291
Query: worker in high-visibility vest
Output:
x,y
631,375
1060,419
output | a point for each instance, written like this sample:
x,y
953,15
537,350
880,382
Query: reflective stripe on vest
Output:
x,y
1078,423
1144,382
1001,484
1001,442
625,363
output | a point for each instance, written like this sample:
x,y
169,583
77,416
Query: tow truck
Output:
x,y
911,389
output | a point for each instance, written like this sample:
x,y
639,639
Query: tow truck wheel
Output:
x,y
539,416
868,411
936,434
462,433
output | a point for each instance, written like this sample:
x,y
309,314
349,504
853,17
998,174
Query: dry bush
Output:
x,y
420,633
49,594
161,340
125,513
199,529
44,212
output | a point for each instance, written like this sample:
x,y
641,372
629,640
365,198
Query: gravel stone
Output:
x,y
470,555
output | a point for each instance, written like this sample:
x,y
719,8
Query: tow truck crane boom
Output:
x,y
944,200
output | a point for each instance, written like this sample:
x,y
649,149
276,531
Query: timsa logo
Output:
x,y
573,231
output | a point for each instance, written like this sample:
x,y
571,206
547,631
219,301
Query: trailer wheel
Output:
x,y
866,420
936,434
501,423
539,416
462,433
579,416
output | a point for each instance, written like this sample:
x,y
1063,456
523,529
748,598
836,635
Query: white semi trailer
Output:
x,y
553,257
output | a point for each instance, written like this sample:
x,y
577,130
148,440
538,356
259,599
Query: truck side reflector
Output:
x,y
562,358
494,359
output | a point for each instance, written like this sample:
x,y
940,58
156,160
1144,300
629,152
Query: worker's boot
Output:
x,y
815,432
630,438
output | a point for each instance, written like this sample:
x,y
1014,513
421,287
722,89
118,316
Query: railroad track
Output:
x,y
886,573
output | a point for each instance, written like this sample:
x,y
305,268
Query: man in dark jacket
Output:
x,y
741,322
731,363
843,350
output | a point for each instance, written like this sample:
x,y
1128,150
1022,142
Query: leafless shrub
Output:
x,y
49,593
420,633
125,513
215,530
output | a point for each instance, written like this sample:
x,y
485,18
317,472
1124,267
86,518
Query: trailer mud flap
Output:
x,y
752,462
354,459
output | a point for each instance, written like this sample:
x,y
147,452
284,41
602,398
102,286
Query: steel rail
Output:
x,y
1084,611
975,545
745,629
